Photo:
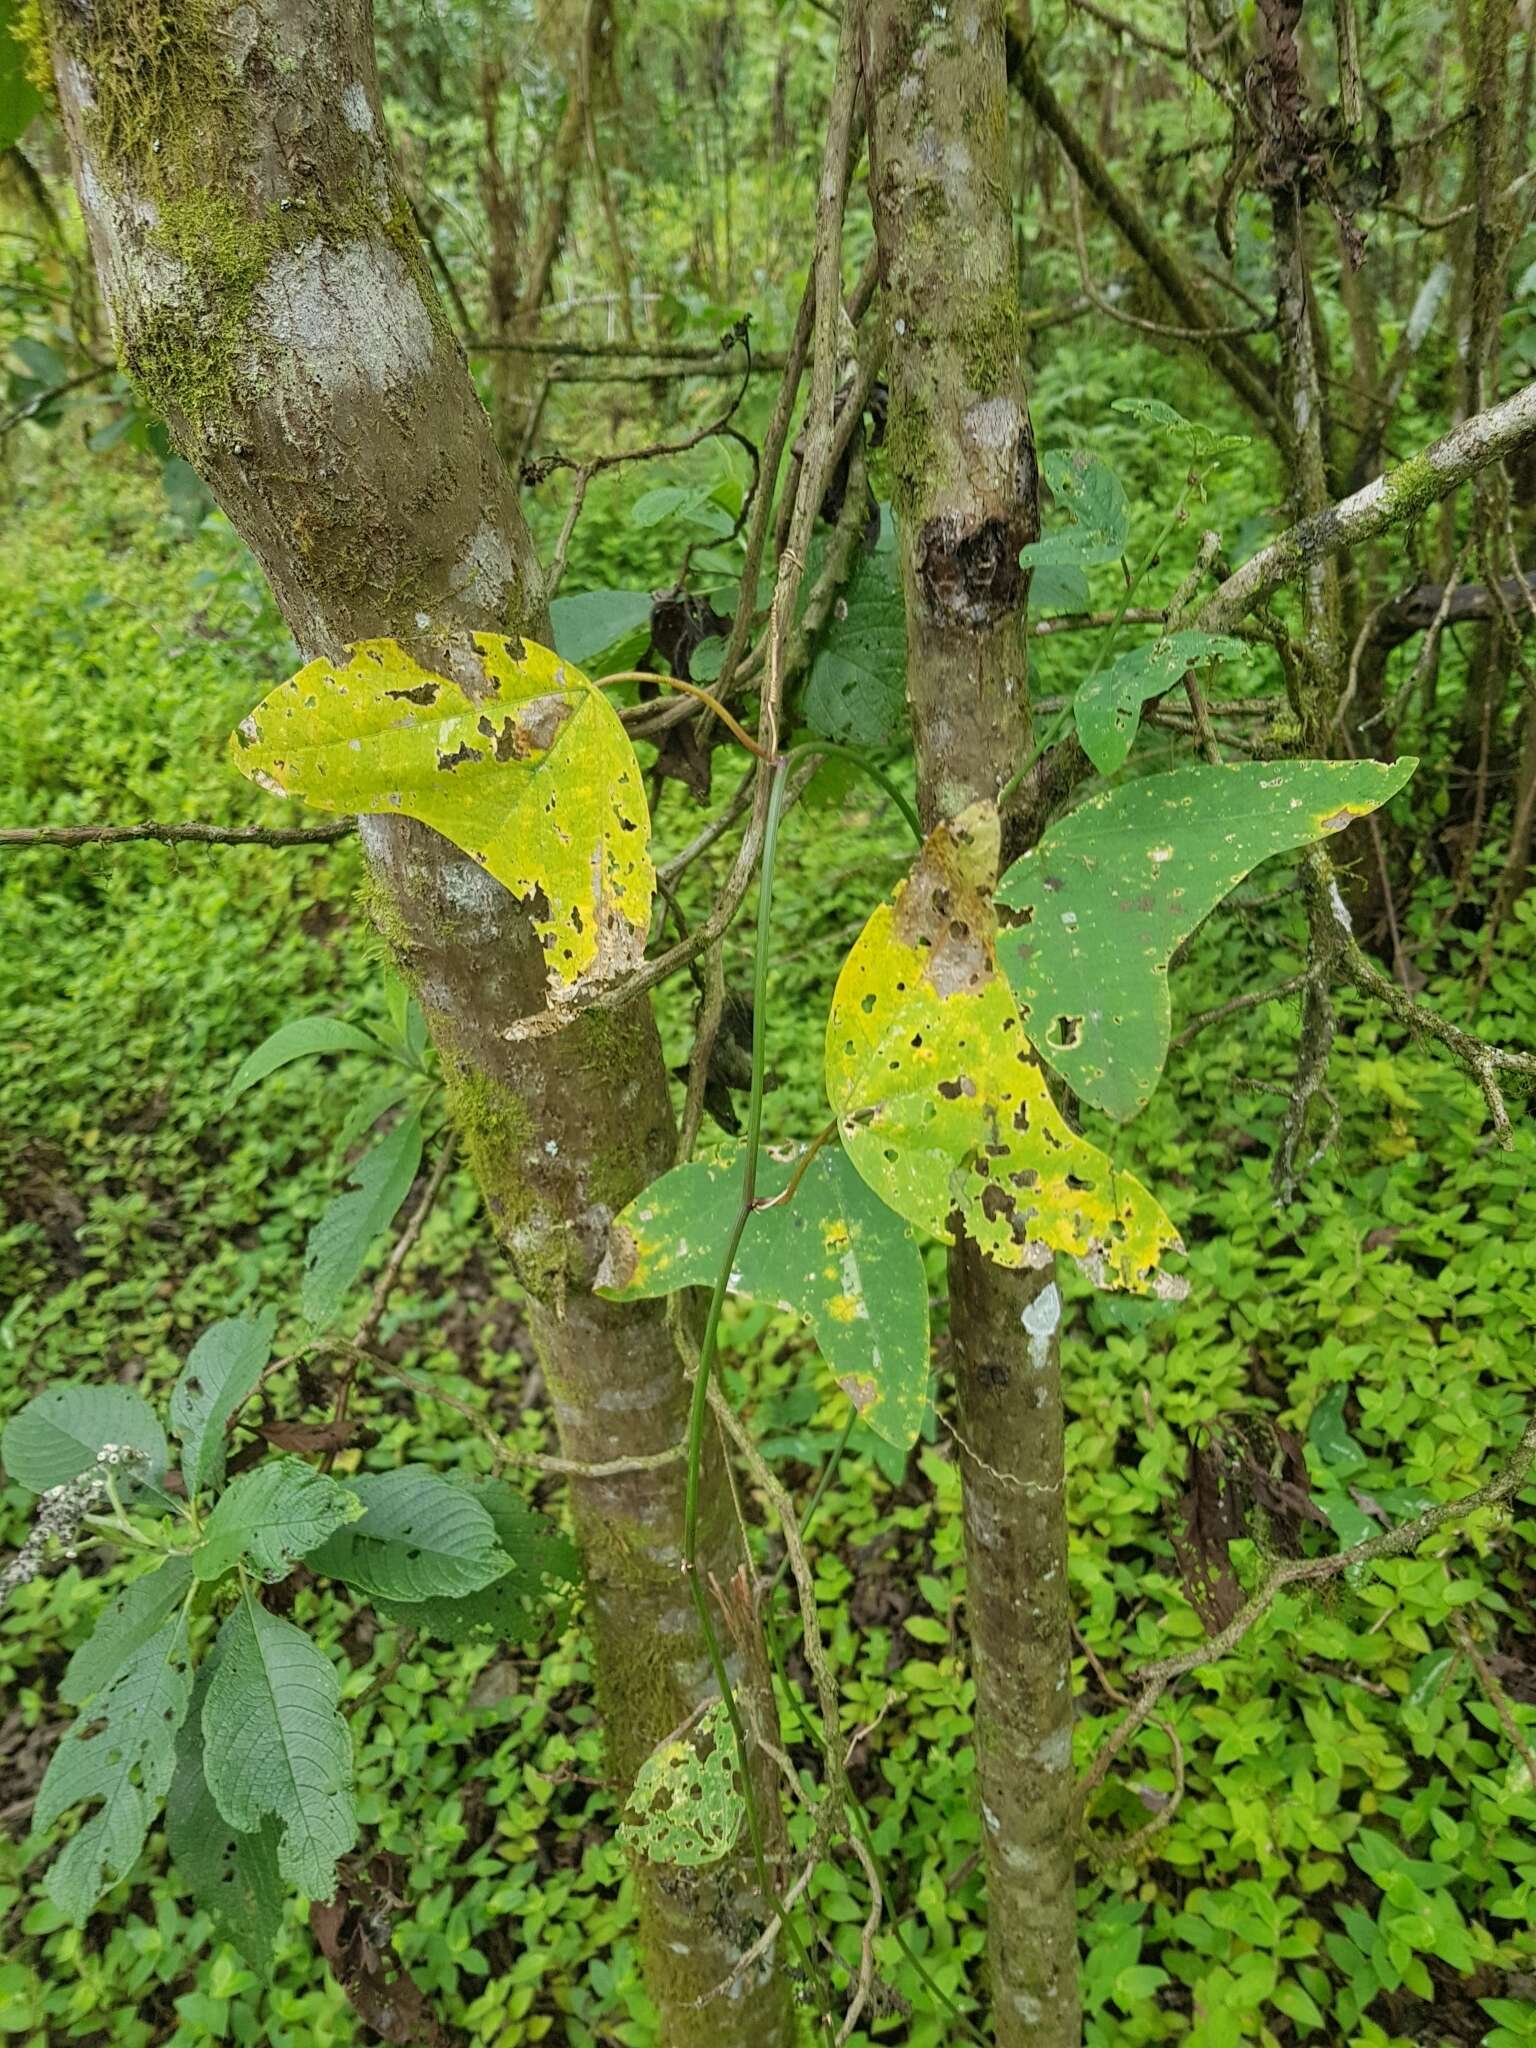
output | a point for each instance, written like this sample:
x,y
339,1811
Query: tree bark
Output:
x,y
967,497
272,302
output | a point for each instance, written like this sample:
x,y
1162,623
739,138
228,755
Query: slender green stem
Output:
x,y
897,795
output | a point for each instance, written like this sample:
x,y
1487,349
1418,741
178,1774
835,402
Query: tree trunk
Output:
x,y
272,302
967,498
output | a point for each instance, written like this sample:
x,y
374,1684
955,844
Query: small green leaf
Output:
x,y
340,1242
59,1434
1108,706
271,1515
1113,889
124,1627
1201,442
532,1597
521,762
296,1041
1329,1435
221,1369
233,1877
834,1254
856,691
1087,488
122,1754
593,621
666,501
421,1537
274,1744
687,1806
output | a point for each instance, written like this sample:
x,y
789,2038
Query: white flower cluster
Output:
x,y
61,1510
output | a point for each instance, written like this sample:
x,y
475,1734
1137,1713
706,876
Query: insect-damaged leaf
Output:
x,y
1088,488
942,1105
1108,706
687,1805
1112,890
523,764
832,1253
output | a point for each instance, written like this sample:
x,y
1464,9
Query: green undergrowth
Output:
x,y
1353,1859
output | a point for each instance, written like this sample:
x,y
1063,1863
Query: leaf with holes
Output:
x,y
1089,489
942,1105
340,1242
1112,890
687,1805
420,1538
533,1596
857,689
832,1254
118,1758
233,1877
521,762
270,1516
124,1627
222,1367
61,1433
1108,706
275,1746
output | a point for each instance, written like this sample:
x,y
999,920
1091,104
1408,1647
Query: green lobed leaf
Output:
x,y
857,689
340,1242
533,1596
420,1537
687,1806
121,1755
1108,705
1113,889
275,1745
521,762
59,1433
124,1626
1088,488
233,1877
298,1040
593,621
271,1515
221,1369
834,1255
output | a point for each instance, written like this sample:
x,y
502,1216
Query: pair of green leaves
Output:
x,y
516,757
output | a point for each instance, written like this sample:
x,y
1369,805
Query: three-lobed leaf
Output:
x,y
271,1515
1107,707
833,1254
521,762
942,1105
275,1746
532,1594
338,1246
62,1431
1116,886
420,1537
222,1368
118,1759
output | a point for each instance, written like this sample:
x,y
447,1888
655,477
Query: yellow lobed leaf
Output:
x,y
941,1102
522,763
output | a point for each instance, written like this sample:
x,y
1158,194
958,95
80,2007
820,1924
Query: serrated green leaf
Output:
x,y
233,1877
274,1744
856,691
834,1254
532,1597
593,621
298,1040
271,1515
526,766
366,1111
340,1242
1113,889
1108,705
59,1433
687,1806
420,1538
122,1756
221,1369
124,1626
942,1106
1089,490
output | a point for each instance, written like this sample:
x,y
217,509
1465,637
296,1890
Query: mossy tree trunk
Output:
x,y
272,302
967,499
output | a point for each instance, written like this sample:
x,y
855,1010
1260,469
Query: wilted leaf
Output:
x,y
1108,706
354,1936
942,1106
687,1805
525,766
833,1254
1114,888
1247,1479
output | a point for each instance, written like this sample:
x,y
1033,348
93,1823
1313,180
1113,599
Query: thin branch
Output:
x,y
176,835
1250,1001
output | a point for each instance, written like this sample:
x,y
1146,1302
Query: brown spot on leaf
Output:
x,y
423,694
